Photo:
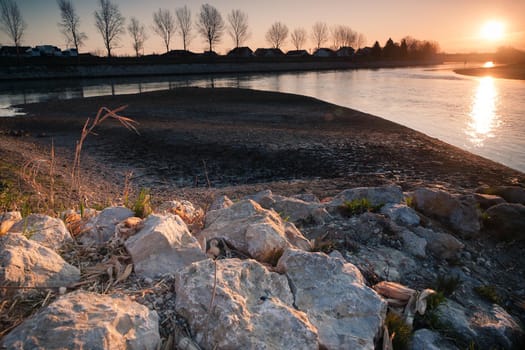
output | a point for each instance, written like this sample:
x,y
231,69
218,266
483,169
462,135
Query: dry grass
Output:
x,y
103,114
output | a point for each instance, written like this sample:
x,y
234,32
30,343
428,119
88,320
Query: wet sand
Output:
x,y
240,141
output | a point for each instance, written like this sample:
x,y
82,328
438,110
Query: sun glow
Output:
x,y
493,30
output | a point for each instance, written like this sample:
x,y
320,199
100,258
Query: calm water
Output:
x,y
483,115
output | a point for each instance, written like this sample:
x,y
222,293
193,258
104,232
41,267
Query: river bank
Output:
x,y
237,140
510,71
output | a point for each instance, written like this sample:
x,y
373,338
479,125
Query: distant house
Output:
x,y
364,51
345,51
33,52
241,52
324,52
298,53
268,52
12,51
70,53
48,50
209,54
179,53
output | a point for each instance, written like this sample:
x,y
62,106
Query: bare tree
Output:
x,y
138,35
110,24
343,36
277,34
183,15
238,30
298,38
360,40
320,34
11,22
70,24
210,25
164,26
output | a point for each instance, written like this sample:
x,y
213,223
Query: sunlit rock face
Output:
x,y
239,304
85,320
26,263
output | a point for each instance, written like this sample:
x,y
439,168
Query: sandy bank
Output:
x,y
241,141
511,71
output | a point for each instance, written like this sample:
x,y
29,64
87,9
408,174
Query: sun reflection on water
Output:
x,y
483,117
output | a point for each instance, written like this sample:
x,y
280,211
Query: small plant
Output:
x,y
358,206
489,293
324,245
142,205
410,202
447,285
400,331
433,300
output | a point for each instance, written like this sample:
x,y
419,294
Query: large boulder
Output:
x,y
253,230
440,244
385,262
332,292
26,263
506,221
293,209
85,320
163,245
512,194
375,195
48,231
459,213
425,339
413,244
239,304
401,214
488,326
101,228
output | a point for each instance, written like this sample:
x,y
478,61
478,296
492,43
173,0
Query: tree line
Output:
x,y
208,24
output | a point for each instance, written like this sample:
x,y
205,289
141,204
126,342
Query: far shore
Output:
x,y
510,71
81,71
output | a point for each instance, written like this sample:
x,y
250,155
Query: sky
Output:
x,y
455,24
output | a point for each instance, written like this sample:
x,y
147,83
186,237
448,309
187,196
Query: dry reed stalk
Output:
x,y
102,114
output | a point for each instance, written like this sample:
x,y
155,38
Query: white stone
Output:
x,y
255,231
347,314
85,320
251,307
401,214
26,263
163,245
48,231
375,195
101,228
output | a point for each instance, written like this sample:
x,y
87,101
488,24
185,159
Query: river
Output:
x,y
485,116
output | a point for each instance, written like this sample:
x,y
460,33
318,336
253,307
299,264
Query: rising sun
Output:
x,y
493,30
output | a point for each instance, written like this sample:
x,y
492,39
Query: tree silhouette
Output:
x,y
110,24
138,35
277,35
11,22
319,34
238,30
391,49
210,25
70,24
376,50
183,15
164,26
298,38
343,36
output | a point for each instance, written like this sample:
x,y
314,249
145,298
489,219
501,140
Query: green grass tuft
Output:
x,y
142,205
402,332
358,206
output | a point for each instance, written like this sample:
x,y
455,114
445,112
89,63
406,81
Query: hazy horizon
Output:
x,y
455,25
